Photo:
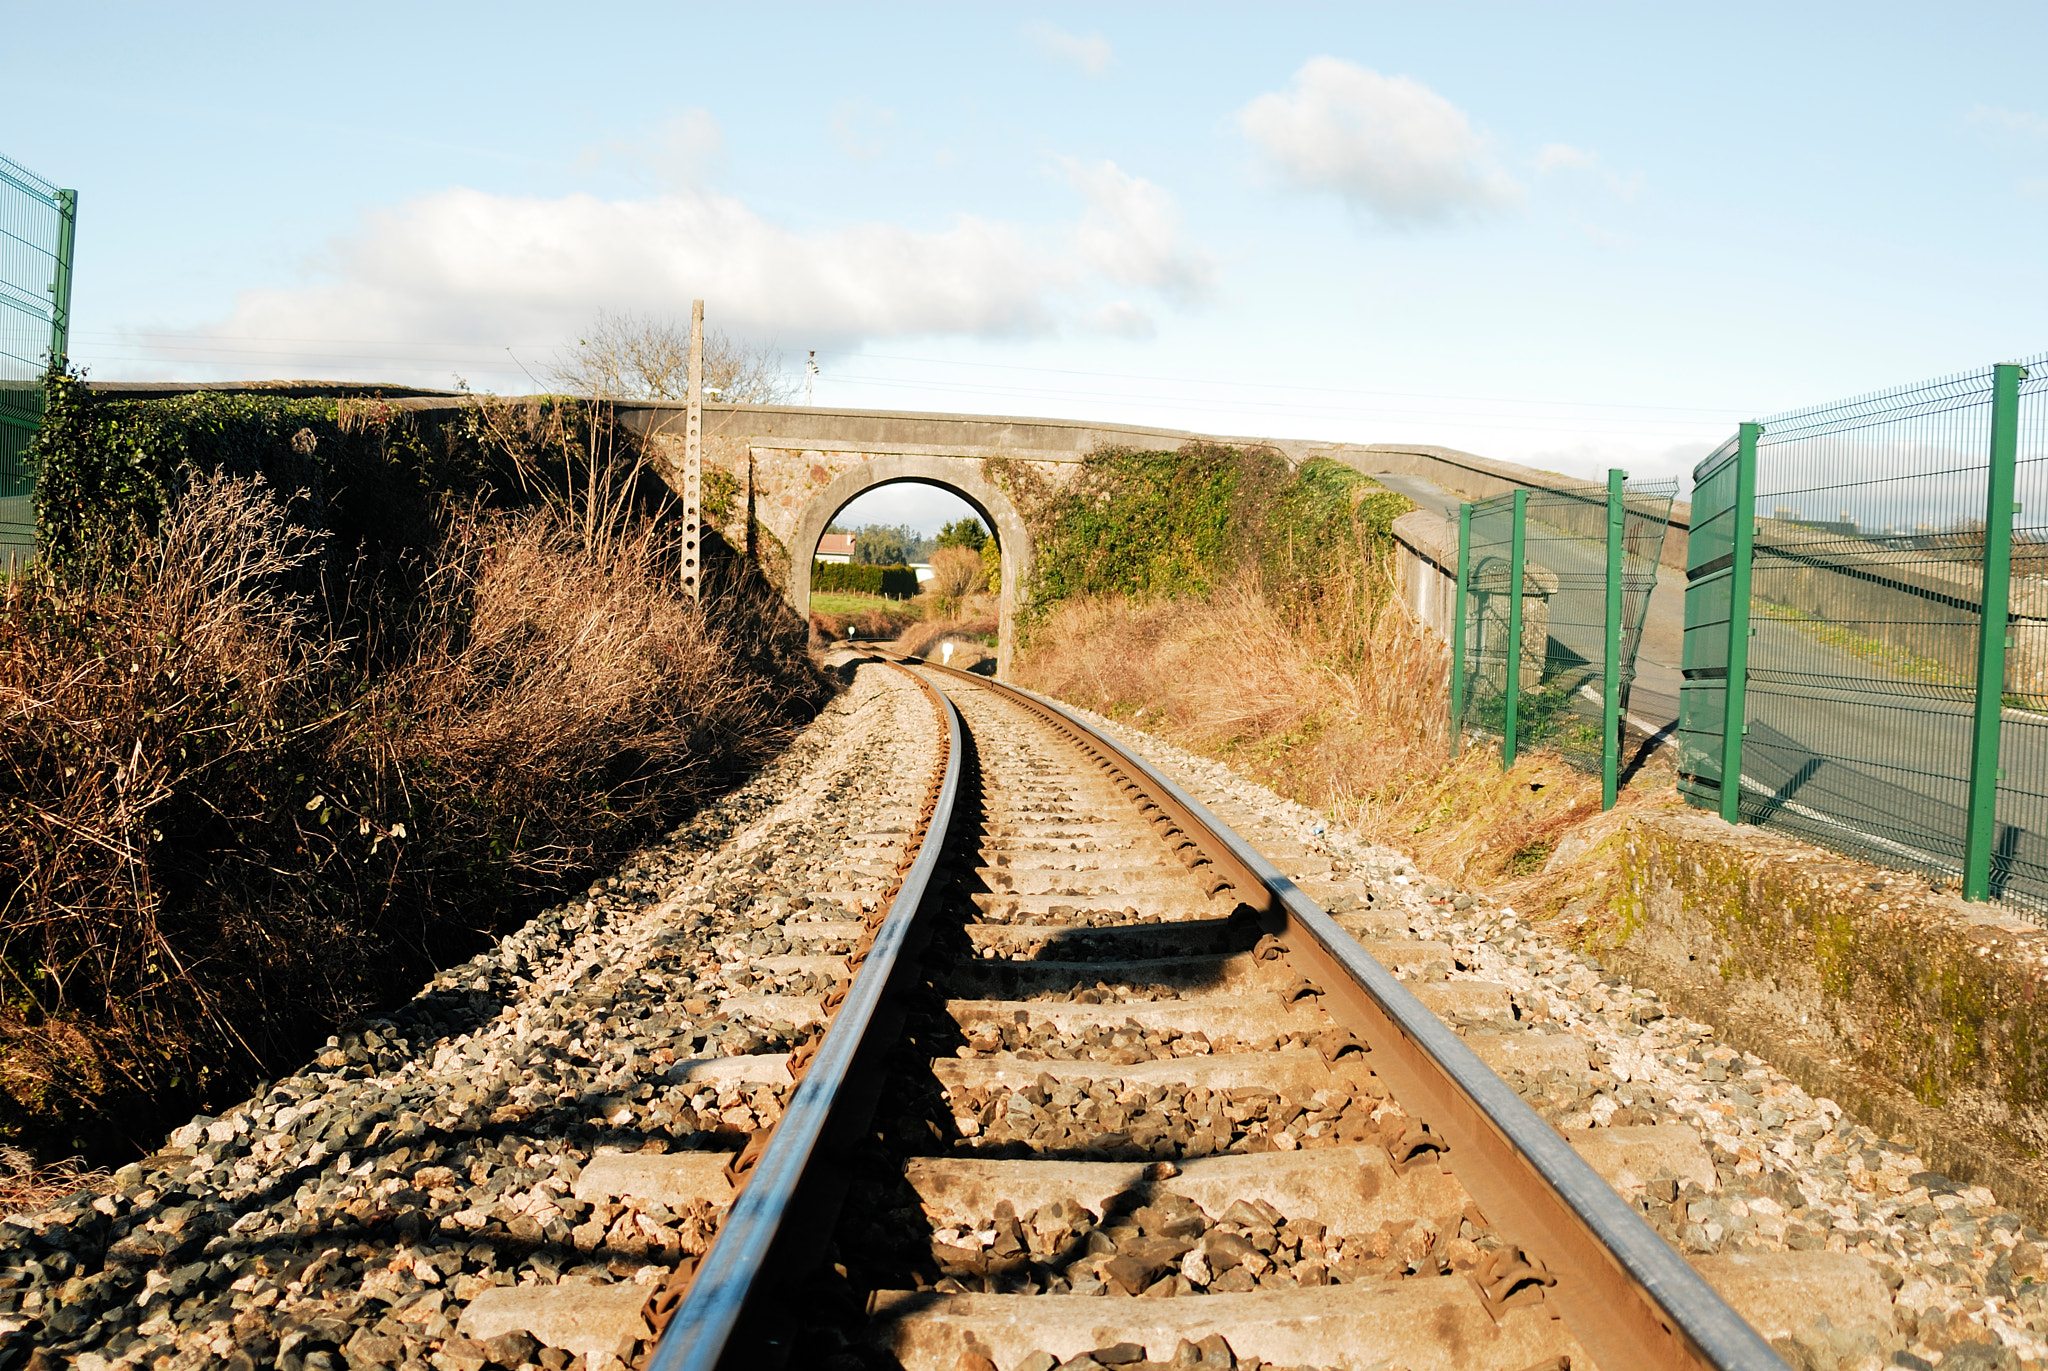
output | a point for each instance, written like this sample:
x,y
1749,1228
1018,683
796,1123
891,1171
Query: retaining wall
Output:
x,y
1924,1016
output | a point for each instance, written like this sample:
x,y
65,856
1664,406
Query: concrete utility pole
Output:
x,y
810,377
693,458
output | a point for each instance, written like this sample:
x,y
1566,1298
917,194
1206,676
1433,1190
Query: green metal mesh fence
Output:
x,y
1587,562
1858,648
35,289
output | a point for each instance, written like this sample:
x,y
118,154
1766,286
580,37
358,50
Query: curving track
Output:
x,y
962,1039
1150,1101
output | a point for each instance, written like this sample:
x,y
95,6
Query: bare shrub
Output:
x,y
626,356
109,705
956,572
222,830
550,662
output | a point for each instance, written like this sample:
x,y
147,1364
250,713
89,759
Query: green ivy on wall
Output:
x,y
368,473
1180,524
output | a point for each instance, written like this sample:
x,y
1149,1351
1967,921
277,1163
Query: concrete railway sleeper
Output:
x,y
962,1039
1151,1106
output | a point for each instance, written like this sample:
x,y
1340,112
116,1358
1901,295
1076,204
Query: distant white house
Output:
x,y
838,547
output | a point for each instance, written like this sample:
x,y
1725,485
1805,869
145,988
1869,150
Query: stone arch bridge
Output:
x,y
774,477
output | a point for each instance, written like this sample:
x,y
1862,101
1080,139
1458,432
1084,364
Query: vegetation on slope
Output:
x,y
1246,610
306,699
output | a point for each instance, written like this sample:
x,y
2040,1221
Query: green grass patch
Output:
x,y
840,602
1889,657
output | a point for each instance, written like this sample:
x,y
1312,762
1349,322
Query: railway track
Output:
x,y
961,1039
1150,1105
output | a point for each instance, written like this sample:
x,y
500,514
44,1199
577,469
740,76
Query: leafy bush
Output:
x,y
369,473
865,580
1184,524
888,545
967,533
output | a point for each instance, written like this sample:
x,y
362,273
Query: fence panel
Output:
x,y
2019,849
36,219
1710,557
1484,707
1559,687
1865,629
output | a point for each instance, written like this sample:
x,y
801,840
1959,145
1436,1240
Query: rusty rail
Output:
x,y
1627,1296
830,1105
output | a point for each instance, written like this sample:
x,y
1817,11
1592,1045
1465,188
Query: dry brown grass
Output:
x,y
26,1188
224,827
551,661
975,619
876,625
956,573
1339,703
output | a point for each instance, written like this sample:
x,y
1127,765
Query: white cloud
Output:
x,y
1565,157
1557,157
467,266
680,151
860,128
2022,122
1088,51
1131,233
1387,144
1122,319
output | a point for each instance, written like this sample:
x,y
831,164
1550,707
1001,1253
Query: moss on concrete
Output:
x,y
1905,983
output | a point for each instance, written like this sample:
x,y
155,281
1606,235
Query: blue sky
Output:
x,y
1573,235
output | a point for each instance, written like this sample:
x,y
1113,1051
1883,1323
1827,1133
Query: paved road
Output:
x,y
1839,749
1653,699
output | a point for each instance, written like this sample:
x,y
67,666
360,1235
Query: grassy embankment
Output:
x,y
307,699
835,614
1245,611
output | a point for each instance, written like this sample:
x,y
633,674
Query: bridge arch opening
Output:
x,y
958,477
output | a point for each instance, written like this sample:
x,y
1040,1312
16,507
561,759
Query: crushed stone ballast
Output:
x,y
1124,1116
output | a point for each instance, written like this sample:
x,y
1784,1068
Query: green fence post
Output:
x,y
60,287
1610,701
1458,626
1991,642
1514,647
1734,720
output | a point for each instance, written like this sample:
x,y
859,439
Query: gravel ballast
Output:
x,y
346,1215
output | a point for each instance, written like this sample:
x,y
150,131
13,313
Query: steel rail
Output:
x,y
1627,1296
701,1332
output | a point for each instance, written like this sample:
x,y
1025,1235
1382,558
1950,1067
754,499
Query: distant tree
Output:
x,y
967,533
886,545
629,356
